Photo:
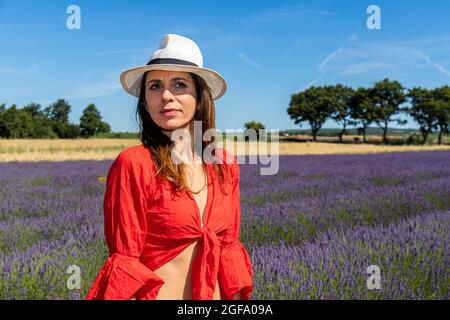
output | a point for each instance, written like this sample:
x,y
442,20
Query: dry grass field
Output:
x,y
103,149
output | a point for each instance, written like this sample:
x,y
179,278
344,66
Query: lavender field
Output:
x,y
311,230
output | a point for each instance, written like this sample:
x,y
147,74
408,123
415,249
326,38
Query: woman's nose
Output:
x,y
167,95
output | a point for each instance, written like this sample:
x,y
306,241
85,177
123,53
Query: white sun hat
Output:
x,y
175,53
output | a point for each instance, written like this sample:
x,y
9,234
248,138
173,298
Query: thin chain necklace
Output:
x,y
205,185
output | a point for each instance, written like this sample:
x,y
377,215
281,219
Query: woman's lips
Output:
x,y
169,113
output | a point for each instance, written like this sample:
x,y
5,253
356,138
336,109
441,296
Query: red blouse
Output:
x,y
146,225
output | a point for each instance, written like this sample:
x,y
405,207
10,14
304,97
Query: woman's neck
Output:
x,y
184,148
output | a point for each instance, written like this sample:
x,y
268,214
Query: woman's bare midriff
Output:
x,y
177,276
177,272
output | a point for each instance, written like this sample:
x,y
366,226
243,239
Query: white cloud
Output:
x,y
292,47
328,59
312,83
183,29
92,89
375,57
435,65
284,13
247,60
20,71
363,68
353,37
387,58
112,52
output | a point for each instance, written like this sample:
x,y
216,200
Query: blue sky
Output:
x,y
266,50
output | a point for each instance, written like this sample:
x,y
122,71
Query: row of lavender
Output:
x,y
311,230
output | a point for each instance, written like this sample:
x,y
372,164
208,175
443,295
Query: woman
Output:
x,y
172,228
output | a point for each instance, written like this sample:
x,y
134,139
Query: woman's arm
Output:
x,y
235,270
123,276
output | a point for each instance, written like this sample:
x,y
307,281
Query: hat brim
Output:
x,y
131,78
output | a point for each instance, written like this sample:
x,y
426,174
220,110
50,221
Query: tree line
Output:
x,y
378,104
52,122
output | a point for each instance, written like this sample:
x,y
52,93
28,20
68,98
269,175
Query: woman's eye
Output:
x,y
156,86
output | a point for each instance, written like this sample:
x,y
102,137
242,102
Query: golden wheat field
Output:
x,y
104,149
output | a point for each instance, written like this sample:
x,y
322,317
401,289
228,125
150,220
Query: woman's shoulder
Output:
x,y
226,156
230,161
135,165
135,158
137,154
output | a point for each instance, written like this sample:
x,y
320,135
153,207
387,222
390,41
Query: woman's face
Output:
x,y
170,90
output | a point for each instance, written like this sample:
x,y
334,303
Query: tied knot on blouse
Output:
x,y
206,265
146,226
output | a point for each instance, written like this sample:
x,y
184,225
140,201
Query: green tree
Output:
x,y
34,109
104,128
3,133
73,131
362,109
442,110
422,110
91,122
314,105
255,126
58,113
341,96
387,97
42,125
15,123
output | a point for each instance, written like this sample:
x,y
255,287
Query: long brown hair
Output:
x,y
159,144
